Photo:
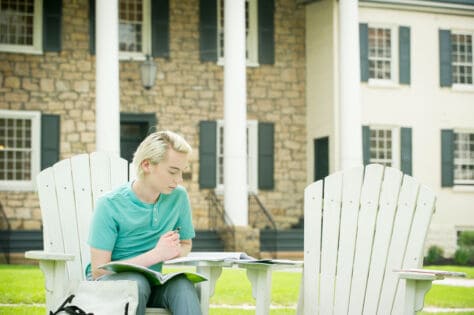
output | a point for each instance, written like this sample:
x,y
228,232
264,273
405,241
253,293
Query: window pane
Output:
x,y
380,53
15,149
463,158
130,25
461,54
16,22
381,146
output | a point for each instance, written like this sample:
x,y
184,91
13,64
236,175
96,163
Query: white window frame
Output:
x,y
146,36
396,146
36,48
459,182
252,157
251,40
26,185
465,86
394,61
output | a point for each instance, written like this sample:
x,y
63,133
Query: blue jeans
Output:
x,y
178,295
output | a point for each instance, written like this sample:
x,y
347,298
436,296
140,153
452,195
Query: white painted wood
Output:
x,y
67,215
378,226
100,174
330,238
401,229
206,288
414,250
386,216
81,177
365,232
52,239
313,203
352,183
261,279
118,171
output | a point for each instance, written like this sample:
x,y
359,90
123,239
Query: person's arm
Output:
x,y
186,246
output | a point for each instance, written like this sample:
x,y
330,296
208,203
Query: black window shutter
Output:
x,y
52,25
445,70
207,154
406,151
366,144
447,158
404,54
208,30
160,29
266,41
50,131
92,27
265,155
364,51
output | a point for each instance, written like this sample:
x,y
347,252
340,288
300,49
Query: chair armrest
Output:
x,y
41,255
427,274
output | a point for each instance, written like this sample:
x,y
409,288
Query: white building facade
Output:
x,y
416,98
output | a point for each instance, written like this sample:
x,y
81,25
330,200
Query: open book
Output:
x,y
230,257
154,277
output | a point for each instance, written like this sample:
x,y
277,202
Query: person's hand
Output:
x,y
168,246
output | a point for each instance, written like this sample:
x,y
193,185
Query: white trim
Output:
x,y
394,59
146,36
251,40
26,185
420,6
37,47
252,157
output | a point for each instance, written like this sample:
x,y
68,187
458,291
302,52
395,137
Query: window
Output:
x,y
21,25
463,157
252,155
461,54
384,146
381,53
19,149
250,31
134,28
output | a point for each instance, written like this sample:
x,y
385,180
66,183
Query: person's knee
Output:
x,y
181,288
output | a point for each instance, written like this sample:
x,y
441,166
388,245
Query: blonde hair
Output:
x,y
155,147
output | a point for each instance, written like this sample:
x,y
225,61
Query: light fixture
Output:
x,y
148,72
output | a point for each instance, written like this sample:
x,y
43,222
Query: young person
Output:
x,y
147,222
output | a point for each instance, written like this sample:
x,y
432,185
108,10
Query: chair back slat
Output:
x,y
352,183
118,171
414,250
67,215
365,231
81,177
401,229
52,234
313,196
100,174
383,231
330,235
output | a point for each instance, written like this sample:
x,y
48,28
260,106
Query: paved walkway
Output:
x,y
458,282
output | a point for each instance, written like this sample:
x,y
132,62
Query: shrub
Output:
x,y
461,256
466,238
434,255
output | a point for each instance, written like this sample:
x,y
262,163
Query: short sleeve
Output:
x,y
103,230
185,220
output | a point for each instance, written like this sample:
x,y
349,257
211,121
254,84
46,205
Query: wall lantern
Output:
x,y
148,72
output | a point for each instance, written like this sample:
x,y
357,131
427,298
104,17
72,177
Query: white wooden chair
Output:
x,y
360,228
67,193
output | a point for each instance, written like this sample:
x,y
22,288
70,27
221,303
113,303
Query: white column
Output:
x,y
107,77
235,113
350,133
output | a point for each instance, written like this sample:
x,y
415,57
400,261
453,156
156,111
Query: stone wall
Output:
x,y
186,92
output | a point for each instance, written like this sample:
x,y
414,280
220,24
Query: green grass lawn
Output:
x,y
25,285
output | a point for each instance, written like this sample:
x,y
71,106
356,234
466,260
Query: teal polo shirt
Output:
x,y
128,227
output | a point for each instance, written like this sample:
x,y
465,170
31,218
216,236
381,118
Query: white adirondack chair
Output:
x,y
360,228
67,193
